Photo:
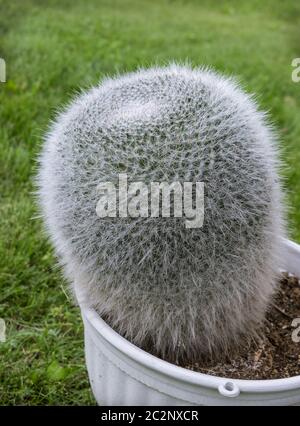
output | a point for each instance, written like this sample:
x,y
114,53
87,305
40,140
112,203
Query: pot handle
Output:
x,y
229,389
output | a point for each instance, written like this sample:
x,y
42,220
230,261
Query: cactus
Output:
x,y
179,293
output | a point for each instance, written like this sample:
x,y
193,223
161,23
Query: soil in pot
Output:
x,y
276,355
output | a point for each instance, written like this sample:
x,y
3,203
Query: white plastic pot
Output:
x,y
122,374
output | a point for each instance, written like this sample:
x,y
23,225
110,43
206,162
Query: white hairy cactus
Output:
x,y
181,293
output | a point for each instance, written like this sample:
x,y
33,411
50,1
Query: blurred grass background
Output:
x,y
53,48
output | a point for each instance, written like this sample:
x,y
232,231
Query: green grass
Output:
x,y
53,48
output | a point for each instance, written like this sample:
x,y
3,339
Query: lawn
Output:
x,y
54,48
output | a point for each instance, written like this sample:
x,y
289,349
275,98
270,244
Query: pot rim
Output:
x,y
226,385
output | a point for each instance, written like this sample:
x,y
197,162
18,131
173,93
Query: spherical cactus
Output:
x,y
179,292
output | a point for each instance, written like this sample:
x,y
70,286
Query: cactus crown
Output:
x,y
183,292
